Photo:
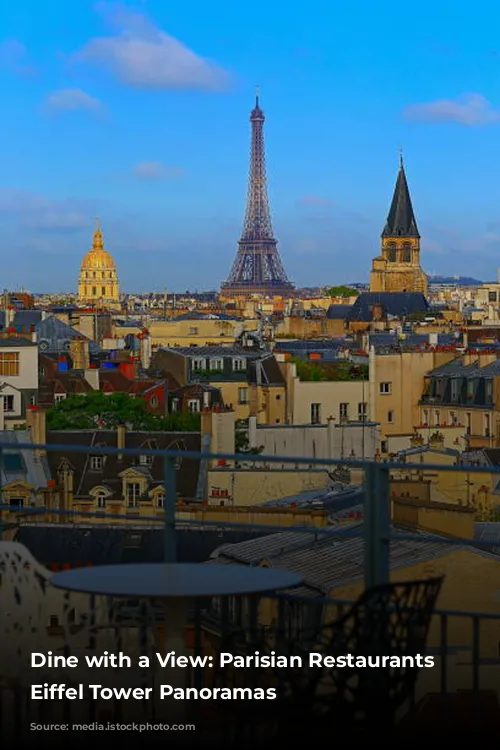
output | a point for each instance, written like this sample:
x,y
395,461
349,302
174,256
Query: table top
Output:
x,y
175,580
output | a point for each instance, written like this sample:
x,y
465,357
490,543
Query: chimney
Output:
x,y
145,349
36,421
121,439
436,441
487,357
80,354
470,357
92,377
416,440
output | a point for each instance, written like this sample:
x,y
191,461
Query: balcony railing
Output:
x,y
461,655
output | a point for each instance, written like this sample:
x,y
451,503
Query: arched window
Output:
x,y
100,499
406,255
391,252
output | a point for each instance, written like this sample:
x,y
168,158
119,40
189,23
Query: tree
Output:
x,y
341,291
96,410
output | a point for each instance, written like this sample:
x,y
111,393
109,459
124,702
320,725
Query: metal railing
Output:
x,y
376,528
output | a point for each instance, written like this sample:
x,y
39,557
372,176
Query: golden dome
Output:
x,y
98,258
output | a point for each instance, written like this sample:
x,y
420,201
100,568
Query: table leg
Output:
x,y
176,612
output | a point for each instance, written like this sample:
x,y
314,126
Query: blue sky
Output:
x,y
139,114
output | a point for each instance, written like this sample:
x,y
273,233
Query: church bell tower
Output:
x,y
397,268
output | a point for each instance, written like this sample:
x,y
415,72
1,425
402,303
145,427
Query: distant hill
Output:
x,y
458,280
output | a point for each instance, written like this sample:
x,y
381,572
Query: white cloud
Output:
x,y
72,99
470,109
142,55
14,56
315,200
155,170
33,211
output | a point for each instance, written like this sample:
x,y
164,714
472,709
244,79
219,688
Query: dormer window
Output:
x,y
216,364
239,364
160,500
199,364
96,463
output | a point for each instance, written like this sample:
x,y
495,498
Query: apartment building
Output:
x,y
18,380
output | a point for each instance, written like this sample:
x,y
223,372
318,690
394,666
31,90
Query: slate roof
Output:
x,y
395,304
309,345
15,342
22,465
338,312
54,336
401,220
22,320
215,351
326,561
85,478
455,368
102,545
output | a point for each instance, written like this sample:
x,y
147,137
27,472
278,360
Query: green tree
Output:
x,y
341,291
96,409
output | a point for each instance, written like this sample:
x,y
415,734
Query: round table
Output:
x,y
178,585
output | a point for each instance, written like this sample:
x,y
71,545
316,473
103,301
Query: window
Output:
x,y
175,404
425,416
193,405
133,492
487,425
216,364
146,460
315,413
468,420
406,252
344,412
362,411
153,401
96,463
101,499
239,364
59,397
9,363
103,291
454,389
489,391
391,252
492,296
383,446
436,419
94,290
16,503
8,403
453,418
199,364
160,500
193,331
243,395
385,388
32,400
390,416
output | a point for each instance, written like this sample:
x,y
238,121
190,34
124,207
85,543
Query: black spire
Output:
x,y
401,220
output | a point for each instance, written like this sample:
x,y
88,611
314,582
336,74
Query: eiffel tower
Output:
x,y
257,268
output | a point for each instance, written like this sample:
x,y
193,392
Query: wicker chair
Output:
x,y
390,620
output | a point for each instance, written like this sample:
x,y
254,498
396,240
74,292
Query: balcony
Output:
x,y
336,562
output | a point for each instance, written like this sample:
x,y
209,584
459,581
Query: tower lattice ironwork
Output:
x,y
257,267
